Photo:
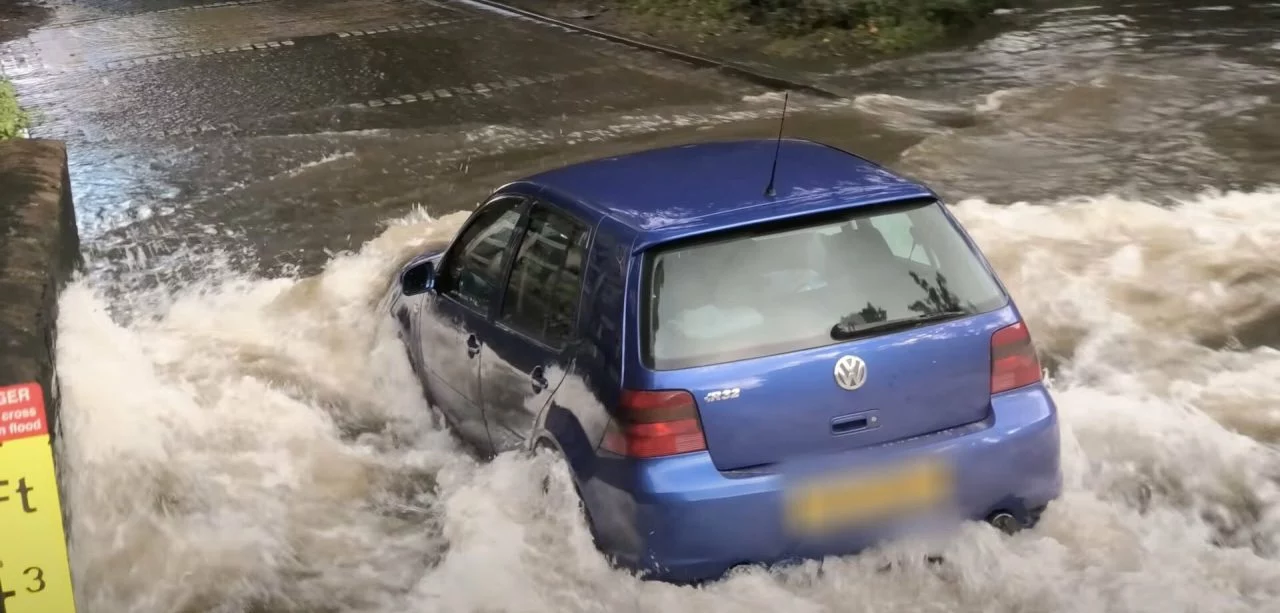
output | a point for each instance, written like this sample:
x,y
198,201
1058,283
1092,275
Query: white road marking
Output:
x,y
155,59
407,27
478,89
179,9
272,44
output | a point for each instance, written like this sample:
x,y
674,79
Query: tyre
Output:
x,y
557,476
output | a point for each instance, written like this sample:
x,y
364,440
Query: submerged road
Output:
x,y
271,67
271,133
250,443
296,126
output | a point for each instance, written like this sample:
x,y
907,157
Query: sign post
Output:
x,y
35,575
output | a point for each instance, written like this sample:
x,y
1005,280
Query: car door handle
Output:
x,y
538,379
473,346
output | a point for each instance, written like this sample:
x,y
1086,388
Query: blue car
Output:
x,y
736,370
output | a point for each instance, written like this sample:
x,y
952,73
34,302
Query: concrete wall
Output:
x,y
39,251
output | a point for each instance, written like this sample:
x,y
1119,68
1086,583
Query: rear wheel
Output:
x,y
557,478
557,463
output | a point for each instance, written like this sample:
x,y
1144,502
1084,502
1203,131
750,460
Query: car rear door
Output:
x,y
454,314
827,336
846,396
528,347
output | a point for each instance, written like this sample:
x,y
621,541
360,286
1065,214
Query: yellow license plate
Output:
x,y
848,500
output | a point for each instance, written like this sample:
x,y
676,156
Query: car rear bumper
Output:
x,y
680,519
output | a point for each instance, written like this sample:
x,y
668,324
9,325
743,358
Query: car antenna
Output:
x,y
773,173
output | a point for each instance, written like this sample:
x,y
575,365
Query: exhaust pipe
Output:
x,y
1005,522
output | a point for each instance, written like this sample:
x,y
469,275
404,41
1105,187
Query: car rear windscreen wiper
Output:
x,y
844,332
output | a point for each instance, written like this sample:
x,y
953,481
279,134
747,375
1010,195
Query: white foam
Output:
x,y
261,442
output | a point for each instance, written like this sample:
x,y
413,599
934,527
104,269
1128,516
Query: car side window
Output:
x,y
472,271
543,291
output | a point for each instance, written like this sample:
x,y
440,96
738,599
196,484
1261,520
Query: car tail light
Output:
x,y
653,424
1013,359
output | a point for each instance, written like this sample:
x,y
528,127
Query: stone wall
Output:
x,y
39,251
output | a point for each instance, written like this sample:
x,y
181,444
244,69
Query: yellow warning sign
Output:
x,y
35,576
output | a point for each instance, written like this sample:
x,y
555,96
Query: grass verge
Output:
x,y
801,27
12,118
795,35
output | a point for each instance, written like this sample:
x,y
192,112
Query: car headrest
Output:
x,y
573,261
865,242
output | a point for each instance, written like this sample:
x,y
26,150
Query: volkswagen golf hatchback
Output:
x,y
734,374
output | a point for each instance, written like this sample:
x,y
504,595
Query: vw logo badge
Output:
x,y
851,372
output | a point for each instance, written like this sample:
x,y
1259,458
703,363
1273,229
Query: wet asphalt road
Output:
x,y
270,131
268,134
213,441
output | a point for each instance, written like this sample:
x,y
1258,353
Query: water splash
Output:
x,y
261,445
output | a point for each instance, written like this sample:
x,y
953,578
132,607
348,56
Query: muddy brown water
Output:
x,y
244,435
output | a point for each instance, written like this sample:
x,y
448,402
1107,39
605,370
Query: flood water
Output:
x,y
245,435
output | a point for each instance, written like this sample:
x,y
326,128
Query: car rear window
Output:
x,y
772,289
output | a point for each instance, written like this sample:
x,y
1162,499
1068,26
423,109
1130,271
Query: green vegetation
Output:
x,y
797,26
12,118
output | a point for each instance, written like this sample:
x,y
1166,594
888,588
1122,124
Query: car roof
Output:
x,y
673,192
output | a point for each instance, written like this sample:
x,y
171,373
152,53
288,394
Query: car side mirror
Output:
x,y
418,279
